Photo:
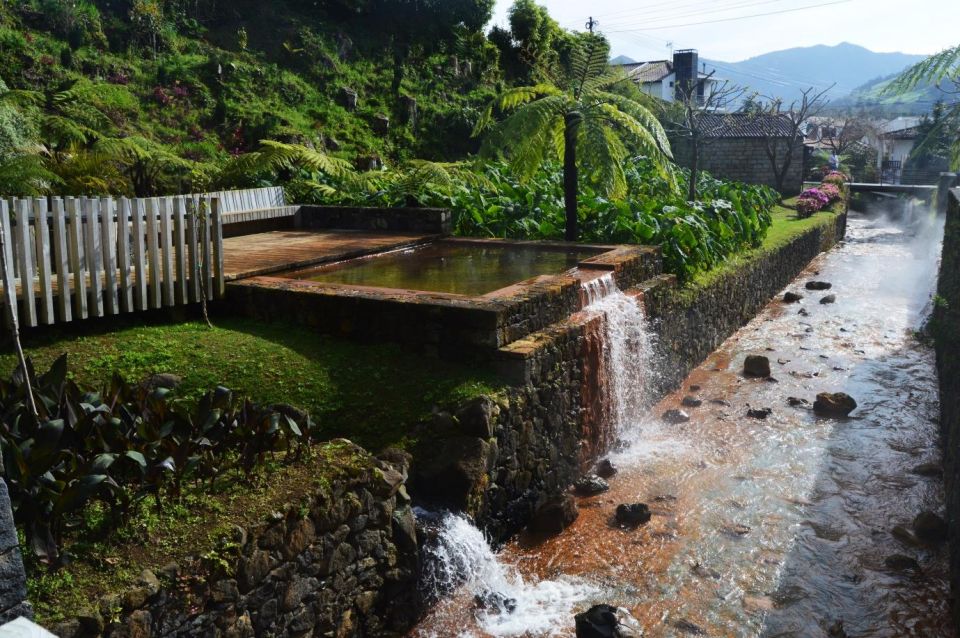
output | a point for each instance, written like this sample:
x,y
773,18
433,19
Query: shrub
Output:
x,y
122,445
832,191
837,178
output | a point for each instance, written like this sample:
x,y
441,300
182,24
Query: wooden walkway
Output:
x,y
281,250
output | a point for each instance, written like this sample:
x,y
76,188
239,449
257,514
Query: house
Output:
x,y
665,79
894,141
735,148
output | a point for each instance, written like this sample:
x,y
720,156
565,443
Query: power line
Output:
x,y
756,15
659,16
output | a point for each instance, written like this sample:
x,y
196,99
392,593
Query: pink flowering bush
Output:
x,y
837,178
832,191
807,207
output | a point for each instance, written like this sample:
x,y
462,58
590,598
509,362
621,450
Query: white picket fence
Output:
x,y
74,258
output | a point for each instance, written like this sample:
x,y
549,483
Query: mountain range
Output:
x,y
843,69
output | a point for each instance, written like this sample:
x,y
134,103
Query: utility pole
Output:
x,y
591,24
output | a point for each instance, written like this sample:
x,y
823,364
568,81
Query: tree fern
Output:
x,y
602,128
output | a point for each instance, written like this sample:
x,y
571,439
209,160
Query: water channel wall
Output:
x,y
946,326
341,563
692,322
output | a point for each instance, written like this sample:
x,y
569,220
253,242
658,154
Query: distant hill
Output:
x,y
871,96
785,73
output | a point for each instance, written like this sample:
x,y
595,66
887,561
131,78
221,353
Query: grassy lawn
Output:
x,y
369,393
786,226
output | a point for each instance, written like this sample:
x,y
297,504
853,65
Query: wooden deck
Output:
x,y
280,250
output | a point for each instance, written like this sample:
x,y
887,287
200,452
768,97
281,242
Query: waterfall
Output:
x,y
461,558
627,350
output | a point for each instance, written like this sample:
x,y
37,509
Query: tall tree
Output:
x,y
579,119
783,129
694,117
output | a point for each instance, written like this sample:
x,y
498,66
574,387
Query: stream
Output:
x,y
777,526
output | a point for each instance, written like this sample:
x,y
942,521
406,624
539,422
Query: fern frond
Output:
x,y
934,69
512,99
643,117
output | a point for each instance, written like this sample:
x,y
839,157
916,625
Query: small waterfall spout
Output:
x,y
627,350
504,605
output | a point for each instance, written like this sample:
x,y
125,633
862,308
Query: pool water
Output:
x,y
451,267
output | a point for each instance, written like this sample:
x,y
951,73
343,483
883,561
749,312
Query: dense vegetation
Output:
x,y
157,96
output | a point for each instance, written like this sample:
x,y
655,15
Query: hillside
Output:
x,y
871,96
205,82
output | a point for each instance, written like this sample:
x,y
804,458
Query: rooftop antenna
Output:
x,y
670,46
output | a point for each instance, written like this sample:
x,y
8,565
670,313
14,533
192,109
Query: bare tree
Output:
x,y
782,128
696,116
841,133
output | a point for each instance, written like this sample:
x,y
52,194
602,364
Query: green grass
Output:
x,y
372,394
785,228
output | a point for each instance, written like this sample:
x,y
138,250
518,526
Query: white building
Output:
x,y
664,79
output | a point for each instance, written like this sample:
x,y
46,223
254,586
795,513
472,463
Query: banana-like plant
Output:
x,y
581,120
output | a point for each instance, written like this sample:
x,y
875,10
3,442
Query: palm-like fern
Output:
x,y
943,66
67,120
585,123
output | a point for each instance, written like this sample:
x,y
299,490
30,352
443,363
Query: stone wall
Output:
x,y
13,581
691,323
946,326
742,159
343,563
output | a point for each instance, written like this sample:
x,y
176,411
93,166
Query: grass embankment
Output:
x,y
371,394
785,228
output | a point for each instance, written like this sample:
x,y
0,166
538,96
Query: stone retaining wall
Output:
x,y
692,323
13,581
343,563
946,327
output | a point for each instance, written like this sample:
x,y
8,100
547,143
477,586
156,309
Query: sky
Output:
x,y
645,29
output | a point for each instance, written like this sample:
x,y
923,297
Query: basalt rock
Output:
x,y
633,514
759,413
834,404
819,285
605,469
676,416
495,602
756,365
930,528
606,621
554,515
828,299
901,563
590,485
691,402
932,470
794,402
791,297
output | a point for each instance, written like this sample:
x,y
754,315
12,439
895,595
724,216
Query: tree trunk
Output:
x,y
570,178
400,52
694,168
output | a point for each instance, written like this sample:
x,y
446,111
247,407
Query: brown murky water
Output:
x,y
767,527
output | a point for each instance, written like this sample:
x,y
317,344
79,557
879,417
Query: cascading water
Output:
x,y
504,604
460,565
627,350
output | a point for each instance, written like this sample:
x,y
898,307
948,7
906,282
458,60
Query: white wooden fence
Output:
x,y
74,258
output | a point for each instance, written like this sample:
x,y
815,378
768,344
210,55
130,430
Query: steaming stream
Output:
x,y
762,527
